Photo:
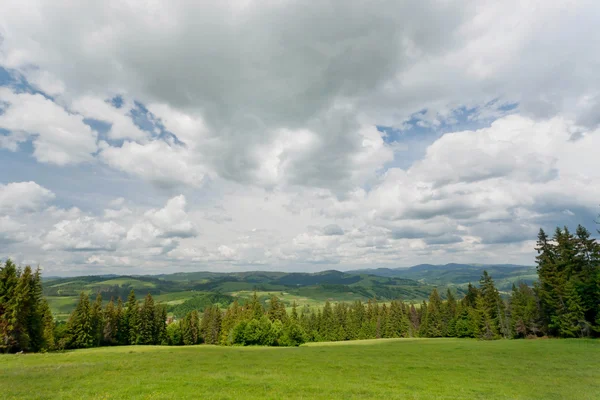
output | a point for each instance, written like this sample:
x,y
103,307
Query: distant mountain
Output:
x,y
186,290
459,274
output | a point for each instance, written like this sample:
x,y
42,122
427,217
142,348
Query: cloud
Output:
x,y
172,219
58,137
23,196
332,230
165,164
246,132
84,234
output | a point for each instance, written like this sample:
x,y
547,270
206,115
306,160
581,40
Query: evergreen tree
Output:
x,y
35,320
97,318
9,280
276,310
122,331
79,327
147,322
109,332
160,325
493,305
524,311
433,325
294,313
131,319
48,326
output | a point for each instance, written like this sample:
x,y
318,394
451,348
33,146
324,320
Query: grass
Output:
x,y
378,369
61,306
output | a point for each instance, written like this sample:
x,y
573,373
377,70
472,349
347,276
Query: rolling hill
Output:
x,y
188,290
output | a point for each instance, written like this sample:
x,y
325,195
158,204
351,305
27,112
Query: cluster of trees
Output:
x,y
26,323
565,302
90,325
568,289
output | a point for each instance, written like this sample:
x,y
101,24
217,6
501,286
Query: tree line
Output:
x,y
564,302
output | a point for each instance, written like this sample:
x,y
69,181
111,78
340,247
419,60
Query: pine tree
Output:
x,y
434,324
493,305
160,325
276,310
97,318
23,308
147,321
572,323
524,311
327,331
230,319
9,279
109,332
79,326
449,314
35,320
122,330
470,299
48,326
294,312
131,320
255,308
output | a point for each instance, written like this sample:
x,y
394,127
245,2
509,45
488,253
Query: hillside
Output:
x,y
459,275
188,290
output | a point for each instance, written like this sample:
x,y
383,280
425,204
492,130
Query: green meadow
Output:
x,y
371,369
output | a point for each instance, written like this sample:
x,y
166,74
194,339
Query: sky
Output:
x,y
163,136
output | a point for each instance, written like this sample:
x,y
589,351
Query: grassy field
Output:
x,y
379,369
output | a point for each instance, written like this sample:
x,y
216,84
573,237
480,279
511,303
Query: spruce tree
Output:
x,y
493,305
131,320
79,326
147,321
276,310
97,320
109,332
160,325
9,279
434,324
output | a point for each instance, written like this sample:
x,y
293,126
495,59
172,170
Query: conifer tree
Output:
x,y
131,320
524,311
109,332
9,279
147,321
276,310
434,324
294,312
160,325
79,326
122,331
48,326
493,305
230,319
97,318
255,308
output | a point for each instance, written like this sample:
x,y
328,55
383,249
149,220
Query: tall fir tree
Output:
x,y
97,317
147,321
131,319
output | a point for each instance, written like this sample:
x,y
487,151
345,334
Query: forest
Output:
x,y
563,302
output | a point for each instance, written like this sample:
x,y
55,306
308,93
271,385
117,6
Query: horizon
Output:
x,y
349,271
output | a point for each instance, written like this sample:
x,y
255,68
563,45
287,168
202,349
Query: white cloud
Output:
x,y
58,137
23,196
122,126
159,162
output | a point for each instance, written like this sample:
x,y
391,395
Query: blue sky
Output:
x,y
154,139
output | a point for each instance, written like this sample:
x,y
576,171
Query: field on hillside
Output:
x,y
378,369
312,289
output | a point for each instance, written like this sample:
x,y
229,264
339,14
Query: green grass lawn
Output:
x,y
378,369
